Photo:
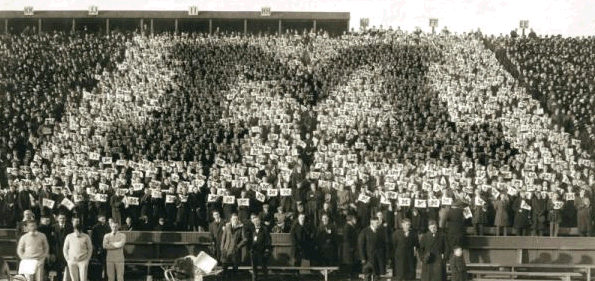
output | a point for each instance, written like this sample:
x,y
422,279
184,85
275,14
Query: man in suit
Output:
x,y
301,238
455,222
259,246
432,253
372,246
99,231
232,241
216,230
327,242
59,233
349,253
404,245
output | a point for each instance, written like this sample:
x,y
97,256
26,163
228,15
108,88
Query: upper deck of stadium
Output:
x,y
174,21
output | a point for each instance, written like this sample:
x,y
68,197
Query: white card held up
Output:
x,y
446,201
272,192
132,200
229,199
570,196
260,197
434,203
156,193
101,197
67,203
285,191
48,203
244,202
404,202
212,198
392,194
363,198
467,213
420,203
525,206
479,201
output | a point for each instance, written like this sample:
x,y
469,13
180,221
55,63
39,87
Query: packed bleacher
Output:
x,y
158,132
183,122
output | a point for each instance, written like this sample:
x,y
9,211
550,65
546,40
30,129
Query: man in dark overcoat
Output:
x,y
431,253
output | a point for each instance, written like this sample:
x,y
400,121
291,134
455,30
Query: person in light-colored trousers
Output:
x,y
34,245
113,243
77,252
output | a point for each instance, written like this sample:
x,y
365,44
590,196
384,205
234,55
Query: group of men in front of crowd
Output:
x,y
67,249
369,249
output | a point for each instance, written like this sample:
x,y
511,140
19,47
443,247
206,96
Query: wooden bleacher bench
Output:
x,y
482,274
150,263
577,268
324,270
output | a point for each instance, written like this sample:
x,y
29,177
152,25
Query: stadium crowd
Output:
x,y
307,133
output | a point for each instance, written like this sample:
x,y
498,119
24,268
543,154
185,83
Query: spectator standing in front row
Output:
x,y
431,253
61,230
259,241
583,215
78,250
372,246
34,245
458,268
99,231
349,259
405,243
231,243
113,243
302,237
455,222
327,242
555,214
216,231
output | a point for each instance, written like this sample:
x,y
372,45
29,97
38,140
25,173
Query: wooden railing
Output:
x,y
481,249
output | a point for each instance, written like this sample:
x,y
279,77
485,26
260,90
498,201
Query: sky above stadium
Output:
x,y
566,17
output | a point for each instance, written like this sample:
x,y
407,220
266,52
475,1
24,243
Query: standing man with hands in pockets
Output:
x,y
113,243
78,250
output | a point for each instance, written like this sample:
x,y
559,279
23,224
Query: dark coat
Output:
x,y
117,207
458,269
554,216
59,236
404,247
455,222
216,231
349,249
479,213
522,217
99,231
301,238
372,248
258,243
232,242
431,249
267,219
539,208
327,243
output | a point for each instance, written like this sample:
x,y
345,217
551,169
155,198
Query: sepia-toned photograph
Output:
x,y
327,140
